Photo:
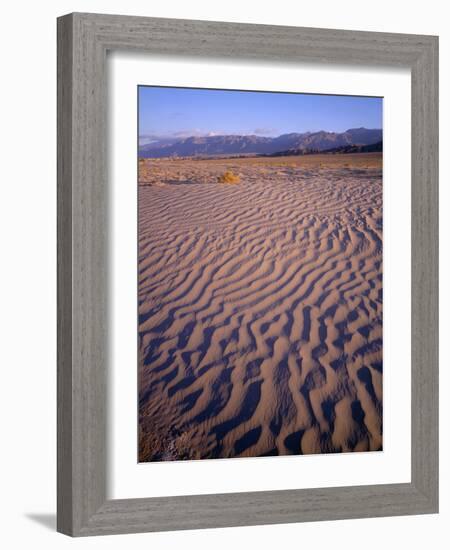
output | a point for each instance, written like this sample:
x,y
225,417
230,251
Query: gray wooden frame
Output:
x,y
83,41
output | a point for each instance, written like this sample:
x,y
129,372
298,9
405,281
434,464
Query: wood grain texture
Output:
x,y
83,41
64,330
424,276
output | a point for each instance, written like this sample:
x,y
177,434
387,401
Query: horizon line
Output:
x,y
252,134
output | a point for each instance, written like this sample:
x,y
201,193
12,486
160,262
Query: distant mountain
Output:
x,y
258,145
208,145
372,148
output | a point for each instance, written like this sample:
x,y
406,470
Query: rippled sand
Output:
x,y
260,307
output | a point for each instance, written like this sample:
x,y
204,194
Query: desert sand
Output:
x,y
260,307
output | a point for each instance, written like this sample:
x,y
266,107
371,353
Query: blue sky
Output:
x,y
181,112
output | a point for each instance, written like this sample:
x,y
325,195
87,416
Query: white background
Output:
x,y
28,274
393,465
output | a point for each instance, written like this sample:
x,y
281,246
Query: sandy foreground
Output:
x,y
260,307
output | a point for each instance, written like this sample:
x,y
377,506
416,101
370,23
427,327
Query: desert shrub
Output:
x,y
228,177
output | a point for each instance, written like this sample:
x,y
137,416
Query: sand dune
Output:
x,y
260,307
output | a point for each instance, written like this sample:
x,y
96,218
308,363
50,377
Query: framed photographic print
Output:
x,y
247,274
260,274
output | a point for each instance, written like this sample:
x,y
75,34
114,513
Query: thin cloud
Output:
x,y
264,131
144,139
180,134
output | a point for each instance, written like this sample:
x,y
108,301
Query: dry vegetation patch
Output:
x,y
228,177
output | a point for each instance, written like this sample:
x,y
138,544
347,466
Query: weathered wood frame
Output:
x,y
83,41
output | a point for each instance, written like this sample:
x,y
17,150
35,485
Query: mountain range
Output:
x,y
285,144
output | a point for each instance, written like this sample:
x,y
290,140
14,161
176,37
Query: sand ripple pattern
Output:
x,y
260,314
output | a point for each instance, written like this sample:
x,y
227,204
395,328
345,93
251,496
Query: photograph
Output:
x,y
260,273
